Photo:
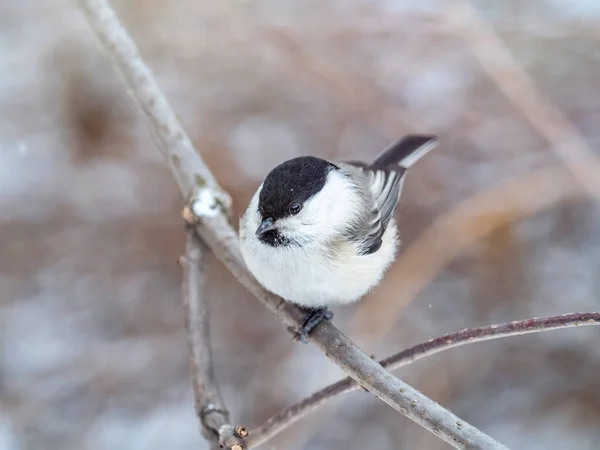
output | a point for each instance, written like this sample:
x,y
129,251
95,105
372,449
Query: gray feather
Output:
x,y
384,180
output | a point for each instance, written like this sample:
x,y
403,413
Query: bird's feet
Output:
x,y
315,317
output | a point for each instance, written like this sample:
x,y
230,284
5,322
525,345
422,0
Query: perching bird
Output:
x,y
320,233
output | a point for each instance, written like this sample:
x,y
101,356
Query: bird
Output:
x,y
320,233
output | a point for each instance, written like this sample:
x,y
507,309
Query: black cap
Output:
x,y
293,181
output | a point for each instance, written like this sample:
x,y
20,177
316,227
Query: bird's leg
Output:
x,y
315,317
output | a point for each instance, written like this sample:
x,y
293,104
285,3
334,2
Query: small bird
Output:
x,y
320,233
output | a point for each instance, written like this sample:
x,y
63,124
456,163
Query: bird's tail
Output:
x,y
405,151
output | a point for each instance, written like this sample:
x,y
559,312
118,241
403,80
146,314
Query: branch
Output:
x,y
217,233
206,210
210,408
185,162
292,414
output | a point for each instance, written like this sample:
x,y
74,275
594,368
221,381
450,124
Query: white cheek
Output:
x,y
330,210
251,218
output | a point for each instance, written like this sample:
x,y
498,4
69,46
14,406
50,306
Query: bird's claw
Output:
x,y
314,318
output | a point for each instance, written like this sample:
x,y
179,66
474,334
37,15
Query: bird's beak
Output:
x,y
265,226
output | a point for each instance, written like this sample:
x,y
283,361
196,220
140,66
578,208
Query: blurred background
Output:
x,y
501,223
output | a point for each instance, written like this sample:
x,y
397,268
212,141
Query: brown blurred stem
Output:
x,y
206,209
291,414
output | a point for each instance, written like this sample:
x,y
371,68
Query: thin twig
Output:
x,y
206,211
292,414
210,408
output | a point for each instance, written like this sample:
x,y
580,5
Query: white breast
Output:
x,y
314,274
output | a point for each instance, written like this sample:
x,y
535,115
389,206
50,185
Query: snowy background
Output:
x,y
495,224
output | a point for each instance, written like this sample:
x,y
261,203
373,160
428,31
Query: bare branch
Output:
x,y
292,414
206,211
342,351
185,162
210,408
496,331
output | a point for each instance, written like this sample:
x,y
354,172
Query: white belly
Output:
x,y
306,277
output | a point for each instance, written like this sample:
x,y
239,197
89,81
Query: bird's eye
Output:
x,y
295,208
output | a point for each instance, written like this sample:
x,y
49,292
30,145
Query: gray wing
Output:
x,y
384,177
385,186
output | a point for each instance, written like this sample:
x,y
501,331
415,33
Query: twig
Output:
x,y
206,211
291,414
210,408
185,162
